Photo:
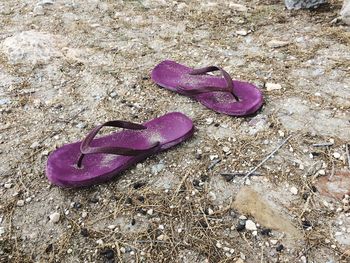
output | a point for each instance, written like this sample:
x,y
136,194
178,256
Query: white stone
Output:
x,y
8,185
250,225
20,203
34,145
273,241
181,6
242,217
280,133
212,196
157,168
150,212
254,233
209,121
2,230
345,12
54,217
31,47
277,43
226,149
272,86
38,10
213,157
322,172
210,211
336,155
111,227
69,251
226,249
161,227
242,32
84,214
294,190
218,245
99,242
46,2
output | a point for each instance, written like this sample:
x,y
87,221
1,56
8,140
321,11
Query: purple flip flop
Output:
x,y
221,94
93,161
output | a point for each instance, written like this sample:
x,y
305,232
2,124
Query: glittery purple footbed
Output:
x,y
171,75
61,169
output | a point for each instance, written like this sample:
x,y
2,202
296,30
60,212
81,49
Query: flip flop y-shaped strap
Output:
x,y
85,147
201,71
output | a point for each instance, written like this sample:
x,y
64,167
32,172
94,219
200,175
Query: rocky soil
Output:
x,y
67,65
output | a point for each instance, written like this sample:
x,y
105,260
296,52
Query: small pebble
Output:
x,y
226,149
34,145
150,212
8,185
273,241
240,227
99,242
336,155
213,156
84,214
321,172
218,245
20,203
209,121
250,225
84,232
54,217
108,253
272,86
277,43
266,231
279,248
294,190
242,32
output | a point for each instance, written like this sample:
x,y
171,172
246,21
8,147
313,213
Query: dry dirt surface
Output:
x,y
67,65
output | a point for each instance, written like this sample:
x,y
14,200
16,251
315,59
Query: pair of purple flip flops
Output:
x,y
93,161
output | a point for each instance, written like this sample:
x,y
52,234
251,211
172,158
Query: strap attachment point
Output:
x,y
86,148
202,71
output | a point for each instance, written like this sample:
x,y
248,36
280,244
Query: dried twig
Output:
x,y
347,146
267,158
213,163
324,144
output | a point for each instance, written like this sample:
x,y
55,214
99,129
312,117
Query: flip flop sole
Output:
x,y
168,130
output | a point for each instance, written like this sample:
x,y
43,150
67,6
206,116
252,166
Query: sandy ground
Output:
x,y
68,65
